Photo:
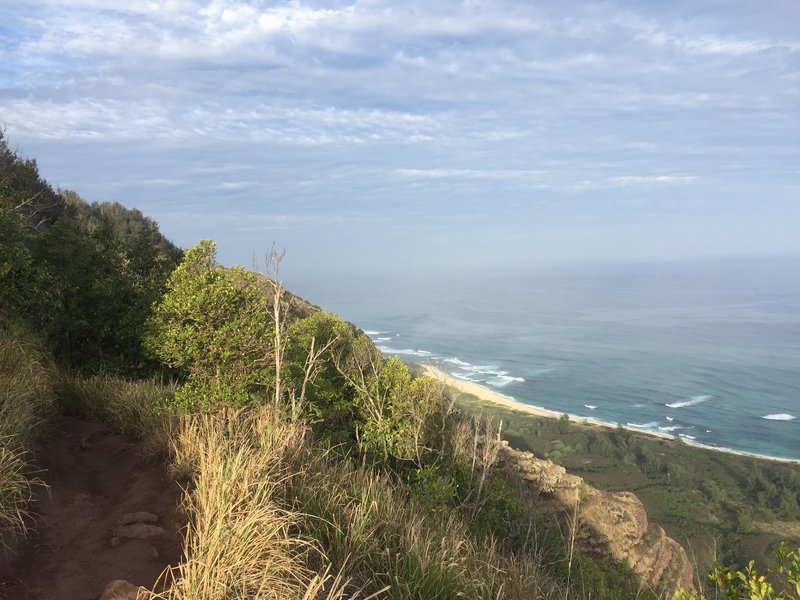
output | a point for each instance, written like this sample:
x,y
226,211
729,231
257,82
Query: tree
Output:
x,y
210,326
317,389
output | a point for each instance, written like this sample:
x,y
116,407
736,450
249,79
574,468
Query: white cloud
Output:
x,y
620,181
382,105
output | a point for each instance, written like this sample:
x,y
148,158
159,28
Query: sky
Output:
x,y
376,134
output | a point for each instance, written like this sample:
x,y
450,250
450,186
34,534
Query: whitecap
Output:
x,y
484,369
590,406
464,377
688,437
503,380
375,332
690,402
649,425
457,361
382,339
670,419
671,428
779,417
404,351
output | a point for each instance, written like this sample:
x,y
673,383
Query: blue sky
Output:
x,y
358,134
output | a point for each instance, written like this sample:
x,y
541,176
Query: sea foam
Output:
x,y
690,402
650,425
503,380
457,361
779,417
404,351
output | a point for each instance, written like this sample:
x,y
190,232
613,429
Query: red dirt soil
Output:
x,y
95,477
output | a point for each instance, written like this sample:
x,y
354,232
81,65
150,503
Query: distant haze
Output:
x,y
374,133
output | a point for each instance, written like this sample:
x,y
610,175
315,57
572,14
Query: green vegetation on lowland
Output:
x,y
313,468
719,506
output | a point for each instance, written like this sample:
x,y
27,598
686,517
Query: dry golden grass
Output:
x,y
240,542
26,400
140,408
273,516
16,485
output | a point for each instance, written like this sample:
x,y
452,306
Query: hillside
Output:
x,y
719,506
308,465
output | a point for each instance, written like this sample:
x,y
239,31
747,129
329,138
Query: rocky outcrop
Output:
x,y
611,526
119,589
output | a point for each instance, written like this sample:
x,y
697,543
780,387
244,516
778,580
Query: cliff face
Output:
x,y
611,526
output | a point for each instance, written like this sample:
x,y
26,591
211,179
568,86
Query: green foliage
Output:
x,y
212,326
431,489
83,275
749,584
563,423
311,371
599,445
697,494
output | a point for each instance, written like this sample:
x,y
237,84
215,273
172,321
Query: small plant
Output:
x,y
750,585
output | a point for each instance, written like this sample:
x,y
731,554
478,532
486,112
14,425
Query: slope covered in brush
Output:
x,y
83,275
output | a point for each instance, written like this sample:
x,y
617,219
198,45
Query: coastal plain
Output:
x,y
725,506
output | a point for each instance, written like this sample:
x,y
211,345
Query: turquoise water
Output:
x,y
706,350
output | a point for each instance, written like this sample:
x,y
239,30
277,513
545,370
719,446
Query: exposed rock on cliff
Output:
x,y
613,526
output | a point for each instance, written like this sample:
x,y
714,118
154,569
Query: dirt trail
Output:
x,y
96,478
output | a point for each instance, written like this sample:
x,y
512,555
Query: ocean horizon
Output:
x,y
708,350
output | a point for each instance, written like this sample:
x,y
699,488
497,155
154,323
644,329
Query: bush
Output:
x,y
749,584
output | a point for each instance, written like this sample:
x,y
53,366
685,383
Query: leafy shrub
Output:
x,y
749,584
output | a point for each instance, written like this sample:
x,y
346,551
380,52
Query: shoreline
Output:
x,y
483,393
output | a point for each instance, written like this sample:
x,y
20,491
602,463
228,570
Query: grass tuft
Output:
x,y
26,400
140,408
240,542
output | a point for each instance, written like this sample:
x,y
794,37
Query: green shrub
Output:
x,y
749,584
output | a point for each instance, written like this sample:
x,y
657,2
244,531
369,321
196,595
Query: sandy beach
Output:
x,y
486,394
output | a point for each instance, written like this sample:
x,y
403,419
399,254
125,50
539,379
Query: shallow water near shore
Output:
x,y
708,350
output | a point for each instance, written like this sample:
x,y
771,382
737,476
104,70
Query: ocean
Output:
x,y
706,350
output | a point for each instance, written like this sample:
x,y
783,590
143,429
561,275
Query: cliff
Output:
x,y
610,526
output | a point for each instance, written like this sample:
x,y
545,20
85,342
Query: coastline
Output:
x,y
483,393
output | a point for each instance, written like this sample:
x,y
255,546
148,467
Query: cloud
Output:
x,y
622,181
494,111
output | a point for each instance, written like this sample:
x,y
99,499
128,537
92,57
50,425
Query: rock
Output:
x,y
138,517
611,526
139,531
119,589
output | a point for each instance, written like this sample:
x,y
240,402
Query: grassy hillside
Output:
x,y
717,505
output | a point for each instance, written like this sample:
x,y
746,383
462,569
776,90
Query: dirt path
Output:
x,y
96,478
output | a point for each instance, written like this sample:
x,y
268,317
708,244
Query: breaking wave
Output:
x,y
690,402
779,417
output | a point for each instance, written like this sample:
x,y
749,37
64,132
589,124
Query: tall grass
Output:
x,y
271,515
140,408
26,400
240,542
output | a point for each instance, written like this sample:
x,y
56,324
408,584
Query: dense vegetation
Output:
x,y
719,506
82,275
313,467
